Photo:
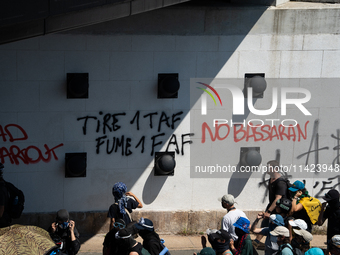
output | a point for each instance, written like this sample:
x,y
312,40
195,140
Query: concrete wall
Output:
x,y
123,62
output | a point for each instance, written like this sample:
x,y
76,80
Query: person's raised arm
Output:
x,y
140,205
253,227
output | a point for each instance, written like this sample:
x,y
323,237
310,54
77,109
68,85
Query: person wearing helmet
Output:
x,y
283,207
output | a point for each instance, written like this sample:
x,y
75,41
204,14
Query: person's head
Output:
x,y
63,218
275,220
1,171
144,226
297,186
227,201
332,197
118,190
334,246
298,224
283,206
207,251
241,226
314,251
302,239
282,234
273,166
125,238
219,239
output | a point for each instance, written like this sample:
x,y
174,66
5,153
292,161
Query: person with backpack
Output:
x,y
282,234
278,189
301,241
5,219
125,202
304,206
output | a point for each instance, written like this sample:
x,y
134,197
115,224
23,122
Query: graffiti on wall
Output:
x,y
314,148
14,154
107,125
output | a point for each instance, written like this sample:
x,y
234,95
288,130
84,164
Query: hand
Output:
x,y
231,244
266,215
54,227
260,215
129,194
298,193
72,225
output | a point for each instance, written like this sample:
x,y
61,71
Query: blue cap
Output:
x,y
297,185
314,251
144,224
277,219
243,224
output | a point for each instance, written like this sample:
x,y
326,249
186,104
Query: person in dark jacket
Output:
x,y
64,233
151,240
111,245
5,219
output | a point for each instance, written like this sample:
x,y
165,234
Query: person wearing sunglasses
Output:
x,y
110,245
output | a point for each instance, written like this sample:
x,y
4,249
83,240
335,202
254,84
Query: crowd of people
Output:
x,y
286,224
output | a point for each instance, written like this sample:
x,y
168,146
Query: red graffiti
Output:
x,y
256,133
28,155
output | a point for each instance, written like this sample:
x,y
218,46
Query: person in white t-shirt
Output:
x,y
227,202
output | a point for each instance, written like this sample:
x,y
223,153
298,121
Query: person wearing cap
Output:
x,y
64,233
296,224
125,202
151,240
301,241
5,219
110,245
332,213
275,220
282,234
283,207
304,206
127,243
243,245
227,224
334,246
219,241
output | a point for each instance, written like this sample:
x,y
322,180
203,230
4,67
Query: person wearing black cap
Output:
x,y
110,245
332,213
64,233
219,240
129,245
151,240
5,219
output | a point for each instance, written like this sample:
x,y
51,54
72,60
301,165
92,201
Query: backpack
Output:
x,y
16,201
295,251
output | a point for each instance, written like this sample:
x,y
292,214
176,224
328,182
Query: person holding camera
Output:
x,y
64,233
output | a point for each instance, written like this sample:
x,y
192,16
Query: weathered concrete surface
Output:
x,y
180,222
